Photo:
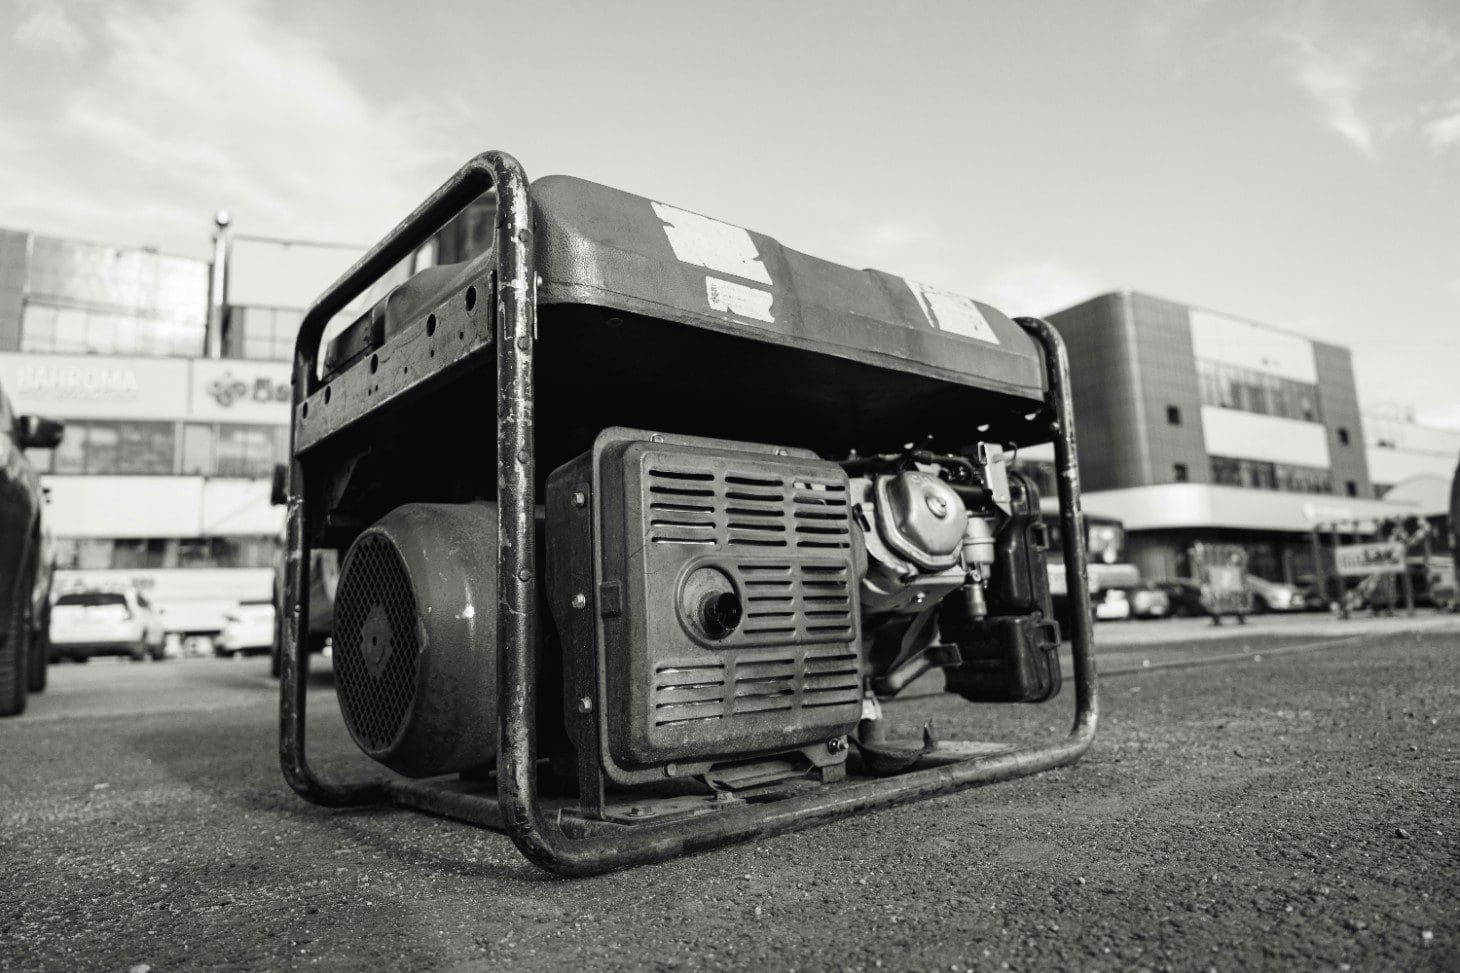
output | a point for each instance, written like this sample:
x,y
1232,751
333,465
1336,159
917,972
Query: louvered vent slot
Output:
x,y
765,685
686,692
826,600
831,679
821,514
682,507
770,594
755,510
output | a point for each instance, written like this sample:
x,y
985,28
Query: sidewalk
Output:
x,y
1314,625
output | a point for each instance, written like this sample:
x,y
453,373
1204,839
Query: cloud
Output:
x,y
1335,80
1374,79
47,28
1038,288
1443,131
190,107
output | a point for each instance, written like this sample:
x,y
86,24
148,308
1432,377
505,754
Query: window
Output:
x,y
250,450
1342,436
1233,387
261,333
168,552
199,444
1180,472
57,328
1258,475
1351,488
1173,415
102,447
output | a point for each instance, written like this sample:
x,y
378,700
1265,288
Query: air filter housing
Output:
x,y
415,652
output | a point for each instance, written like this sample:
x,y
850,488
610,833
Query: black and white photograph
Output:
x,y
670,486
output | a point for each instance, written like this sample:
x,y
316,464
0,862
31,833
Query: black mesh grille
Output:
x,y
375,643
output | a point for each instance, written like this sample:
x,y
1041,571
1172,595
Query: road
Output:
x,y
1300,810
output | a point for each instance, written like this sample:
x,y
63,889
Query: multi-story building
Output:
x,y
1400,450
162,479
173,377
1199,426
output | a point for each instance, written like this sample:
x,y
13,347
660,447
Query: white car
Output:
x,y
1274,596
105,621
247,629
1112,605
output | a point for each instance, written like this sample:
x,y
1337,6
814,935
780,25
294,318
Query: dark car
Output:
x,y
24,560
1184,597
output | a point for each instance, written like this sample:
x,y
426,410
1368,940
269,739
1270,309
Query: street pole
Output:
x,y
217,286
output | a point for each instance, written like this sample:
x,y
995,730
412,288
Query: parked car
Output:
x,y
25,563
324,578
1183,597
247,630
87,622
1112,605
1147,601
1275,596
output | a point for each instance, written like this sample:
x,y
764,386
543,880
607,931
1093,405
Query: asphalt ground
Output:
x,y
1297,810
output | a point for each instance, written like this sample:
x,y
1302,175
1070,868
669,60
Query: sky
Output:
x,y
1293,162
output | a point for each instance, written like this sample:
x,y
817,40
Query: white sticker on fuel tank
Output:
x,y
710,244
739,299
953,312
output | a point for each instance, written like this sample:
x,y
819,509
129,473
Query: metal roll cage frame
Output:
x,y
556,845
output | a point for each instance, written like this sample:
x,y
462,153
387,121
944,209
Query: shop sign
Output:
x,y
1358,560
94,386
240,391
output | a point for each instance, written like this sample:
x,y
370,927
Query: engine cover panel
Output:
x,y
726,598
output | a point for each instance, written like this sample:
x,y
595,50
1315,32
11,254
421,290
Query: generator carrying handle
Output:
x,y
544,842
482,173
487,171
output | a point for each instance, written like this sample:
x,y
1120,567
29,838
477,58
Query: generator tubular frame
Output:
x,y
566,846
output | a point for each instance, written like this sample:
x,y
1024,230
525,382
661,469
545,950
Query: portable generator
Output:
x,y
643,516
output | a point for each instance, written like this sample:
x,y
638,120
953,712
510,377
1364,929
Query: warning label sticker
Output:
x,y
953,312
721,247
739,299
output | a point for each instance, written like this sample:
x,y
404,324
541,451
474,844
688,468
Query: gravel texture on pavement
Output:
x,y
1297,811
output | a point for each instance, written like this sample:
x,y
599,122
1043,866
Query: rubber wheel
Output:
x,y
40,652
139,652
14,659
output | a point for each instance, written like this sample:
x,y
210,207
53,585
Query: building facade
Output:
x,y
162,479
1401,451
1196,426
173,377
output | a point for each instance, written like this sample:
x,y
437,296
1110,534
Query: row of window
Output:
x,y
161,448
80,330
1261,475
255,333
100,554
1233,387
261,333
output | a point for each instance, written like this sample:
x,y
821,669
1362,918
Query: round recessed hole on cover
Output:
x,y
374,363
306,410
431,325
327,393
471,298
